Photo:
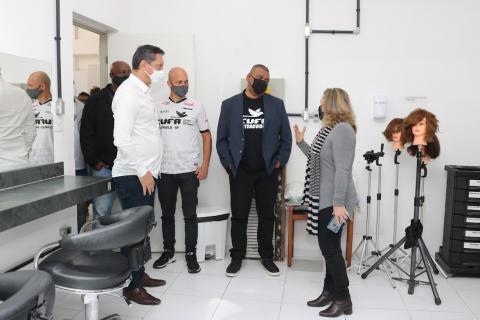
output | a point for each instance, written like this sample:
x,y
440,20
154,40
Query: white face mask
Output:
x,y
157,75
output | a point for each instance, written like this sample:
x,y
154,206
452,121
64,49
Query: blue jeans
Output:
x,y
81,207
131,195
102,205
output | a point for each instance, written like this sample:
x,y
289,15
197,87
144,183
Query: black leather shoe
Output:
x,y
338,308
323,300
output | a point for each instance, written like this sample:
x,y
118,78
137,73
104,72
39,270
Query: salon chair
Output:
x,y
26,295
86,264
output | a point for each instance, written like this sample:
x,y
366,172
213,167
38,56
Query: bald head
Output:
x,y
259,66
37,79
177,74
119,72
178,83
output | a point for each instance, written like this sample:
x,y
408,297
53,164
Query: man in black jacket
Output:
x,y
96,134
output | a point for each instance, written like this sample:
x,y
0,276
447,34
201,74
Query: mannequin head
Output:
x,y
394,133
420,129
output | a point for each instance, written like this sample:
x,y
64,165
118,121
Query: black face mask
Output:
x,y
320,112
119,80
259,86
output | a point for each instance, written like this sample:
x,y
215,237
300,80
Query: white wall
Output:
x,y
406,48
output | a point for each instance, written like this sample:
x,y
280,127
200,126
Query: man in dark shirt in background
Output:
x,y
96,134
253,141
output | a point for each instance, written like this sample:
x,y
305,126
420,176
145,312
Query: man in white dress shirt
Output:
x,y
17,126
137,138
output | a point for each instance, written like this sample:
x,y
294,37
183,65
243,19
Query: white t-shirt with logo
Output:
x,y
42,148
180,124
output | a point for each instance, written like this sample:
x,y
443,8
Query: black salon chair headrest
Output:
x,y
118,230
20,292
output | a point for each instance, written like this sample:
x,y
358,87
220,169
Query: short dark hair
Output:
x,y
146,52
83,93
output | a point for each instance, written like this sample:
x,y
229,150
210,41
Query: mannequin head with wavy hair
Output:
x,y
420,125
420,128
336,107
394,133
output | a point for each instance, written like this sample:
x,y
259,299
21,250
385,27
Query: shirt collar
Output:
x,y
179,101
140,83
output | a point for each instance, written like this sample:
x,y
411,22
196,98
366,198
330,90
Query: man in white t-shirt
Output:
x,y
38,88
182,121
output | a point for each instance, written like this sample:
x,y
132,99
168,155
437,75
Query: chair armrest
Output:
x,y
42,250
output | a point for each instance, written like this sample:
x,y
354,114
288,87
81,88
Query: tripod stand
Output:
x,y
371,157
413,237
395,211
421,216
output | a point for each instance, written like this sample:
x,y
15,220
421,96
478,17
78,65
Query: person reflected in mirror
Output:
x,y
38,89
17,126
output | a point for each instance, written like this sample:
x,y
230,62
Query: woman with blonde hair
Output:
x,y
330,193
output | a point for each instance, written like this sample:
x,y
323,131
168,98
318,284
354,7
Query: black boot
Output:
x,y
323,300
338,308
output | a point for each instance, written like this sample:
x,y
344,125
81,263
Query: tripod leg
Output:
x,y
384,269
429,257
379,261
426,263
356,249
413,267
362,258
355,254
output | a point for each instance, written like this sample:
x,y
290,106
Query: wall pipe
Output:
x,y
57,39
308,33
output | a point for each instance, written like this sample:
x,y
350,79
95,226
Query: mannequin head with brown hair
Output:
x,y
420,128
394,133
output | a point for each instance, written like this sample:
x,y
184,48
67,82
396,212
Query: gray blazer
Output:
x,y
336,160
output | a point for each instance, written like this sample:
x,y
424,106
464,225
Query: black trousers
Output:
x,y
130,192
242,188
168,186
336,279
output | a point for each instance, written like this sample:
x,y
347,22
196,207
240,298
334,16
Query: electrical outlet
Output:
x,y
65,231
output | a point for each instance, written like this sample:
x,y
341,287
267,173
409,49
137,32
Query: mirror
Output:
x,y
26,125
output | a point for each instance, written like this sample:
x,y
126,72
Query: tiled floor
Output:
x,y
253,295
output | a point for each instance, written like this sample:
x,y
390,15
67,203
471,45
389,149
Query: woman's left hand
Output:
x,y
340,214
